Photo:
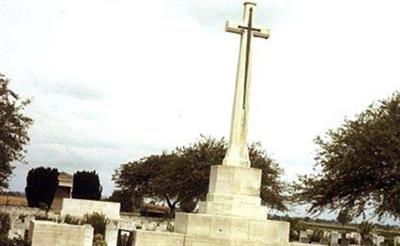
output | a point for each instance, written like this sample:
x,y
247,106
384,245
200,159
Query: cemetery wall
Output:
x,y
79,207
46,233
21,216
145,223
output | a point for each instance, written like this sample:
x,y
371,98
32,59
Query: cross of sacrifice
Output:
x,y
237,154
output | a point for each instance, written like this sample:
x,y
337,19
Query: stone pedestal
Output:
x,y
234,191
232,214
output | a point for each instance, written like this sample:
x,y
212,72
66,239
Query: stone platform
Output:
x,y
213,230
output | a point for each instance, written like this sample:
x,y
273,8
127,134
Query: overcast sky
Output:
x,y
115,80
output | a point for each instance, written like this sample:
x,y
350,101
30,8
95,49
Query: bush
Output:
x,y
44,217
98,240
5,224
68,219
97,221
188,205
17,241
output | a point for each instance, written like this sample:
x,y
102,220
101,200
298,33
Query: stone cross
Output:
x,y
238,154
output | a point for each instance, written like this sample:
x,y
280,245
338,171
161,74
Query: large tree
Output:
x,y
87,185
13,130
358,164
41,185
181,176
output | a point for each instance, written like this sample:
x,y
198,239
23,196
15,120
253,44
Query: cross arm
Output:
x,y
263,33
235,27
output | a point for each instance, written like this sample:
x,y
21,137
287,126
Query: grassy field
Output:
x,y
13,200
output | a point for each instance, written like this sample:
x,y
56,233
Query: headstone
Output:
x,y
396,241
46,233
356,236
335,236
111,234
378,240
232,213
303,237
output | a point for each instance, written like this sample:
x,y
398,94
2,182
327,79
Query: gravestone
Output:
x,y
378,240
303,237
232,213
335,236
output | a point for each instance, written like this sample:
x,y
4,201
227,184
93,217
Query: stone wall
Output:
x,y
21,216
135,221
46,233
151,238
79,207
305,244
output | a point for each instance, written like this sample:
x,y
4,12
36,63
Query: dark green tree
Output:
x,y
87,186
41,185
13,130
182,176
366,230
128,203
358,164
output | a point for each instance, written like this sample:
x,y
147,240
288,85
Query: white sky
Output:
x,y
115,80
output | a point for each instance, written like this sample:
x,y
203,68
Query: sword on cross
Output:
x,y
248,32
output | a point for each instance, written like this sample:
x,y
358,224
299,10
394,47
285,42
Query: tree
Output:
x,y
366,230
182,176
128,203
358,163
41,185
13,130
87,186
344,216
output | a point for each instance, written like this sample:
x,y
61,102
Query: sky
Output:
x,y
112,81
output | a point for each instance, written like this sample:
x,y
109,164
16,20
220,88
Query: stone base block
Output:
x,y
244,207
152,238
199,241
218,230
235,180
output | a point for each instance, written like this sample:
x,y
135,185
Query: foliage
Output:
x,y
97,221
87,186
98,240
44,217
16,241
358,163
316,235
68,219
295,228
5,223
345,216
366,229
127,202
188,205
183,174
41,185
13,130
